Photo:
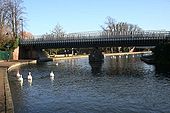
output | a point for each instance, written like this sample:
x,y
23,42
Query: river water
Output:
x,y
122,84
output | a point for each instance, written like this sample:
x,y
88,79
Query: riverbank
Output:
x,y
6,103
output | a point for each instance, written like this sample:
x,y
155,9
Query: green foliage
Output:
x,y
12,43
15,43
5,55
4,40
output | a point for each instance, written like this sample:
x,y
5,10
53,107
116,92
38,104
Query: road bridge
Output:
x,y
35,44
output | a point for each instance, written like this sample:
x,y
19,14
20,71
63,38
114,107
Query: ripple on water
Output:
x,y
121,85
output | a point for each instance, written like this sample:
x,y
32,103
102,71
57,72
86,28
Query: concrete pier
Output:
x,y
96,55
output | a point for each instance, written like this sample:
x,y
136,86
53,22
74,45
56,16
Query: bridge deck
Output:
x,y
100,41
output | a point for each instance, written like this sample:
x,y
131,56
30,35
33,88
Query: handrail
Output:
x,y
98,35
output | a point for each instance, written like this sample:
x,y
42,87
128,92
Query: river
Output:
x,y
121,84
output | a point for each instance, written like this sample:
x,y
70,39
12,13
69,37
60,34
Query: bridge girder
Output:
x,y
96,42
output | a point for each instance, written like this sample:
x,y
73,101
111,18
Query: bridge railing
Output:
x,y
99,34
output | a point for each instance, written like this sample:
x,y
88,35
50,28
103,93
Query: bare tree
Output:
x,y
16,14
11,11
121,28
4,12
110,26
58,31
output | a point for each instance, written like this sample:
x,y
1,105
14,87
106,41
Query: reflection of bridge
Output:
x,y
95,39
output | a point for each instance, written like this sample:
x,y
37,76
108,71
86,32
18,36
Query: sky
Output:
x,y
88,15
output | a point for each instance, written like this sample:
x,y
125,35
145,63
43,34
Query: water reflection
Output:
x,y
52,79
162,69
126,65
30,82
162,72
21,82
96,67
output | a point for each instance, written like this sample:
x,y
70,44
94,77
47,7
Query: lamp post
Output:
x,y
22,35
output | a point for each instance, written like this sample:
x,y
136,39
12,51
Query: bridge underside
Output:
x,y
40,55
26,53
33,54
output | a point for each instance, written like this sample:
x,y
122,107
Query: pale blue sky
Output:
x,y
89,15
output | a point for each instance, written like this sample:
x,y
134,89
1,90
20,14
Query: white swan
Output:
x,y
52,79
56,64
20,78
18,75
51,74
29,76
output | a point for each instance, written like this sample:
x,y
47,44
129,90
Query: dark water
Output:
x,y
119,85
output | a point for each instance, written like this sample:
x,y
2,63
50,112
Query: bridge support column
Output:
x,y
96,55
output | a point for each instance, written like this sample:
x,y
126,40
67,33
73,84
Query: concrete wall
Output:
x,y
6,103
16,54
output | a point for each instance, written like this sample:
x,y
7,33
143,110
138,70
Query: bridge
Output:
x,y
93,39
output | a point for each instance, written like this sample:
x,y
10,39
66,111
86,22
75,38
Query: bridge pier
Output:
x,y
96,55
160,57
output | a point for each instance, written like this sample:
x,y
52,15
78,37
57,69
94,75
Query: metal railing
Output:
x,y
98,35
